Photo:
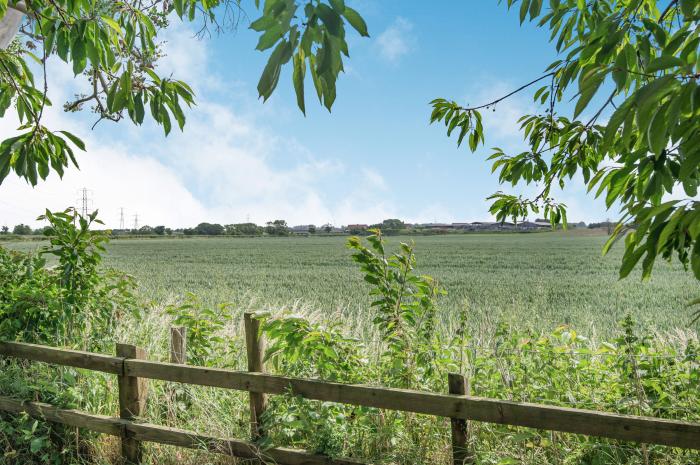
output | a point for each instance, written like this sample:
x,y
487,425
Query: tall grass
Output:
x,y
531,318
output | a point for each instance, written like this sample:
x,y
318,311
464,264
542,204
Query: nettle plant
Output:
x,y
74,302
405,309
203,323
303,348
633,135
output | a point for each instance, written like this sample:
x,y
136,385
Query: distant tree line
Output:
x,y
22,230
389,226
215,229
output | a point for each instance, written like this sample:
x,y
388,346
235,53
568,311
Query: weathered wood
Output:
x,y
41,411
553,418
230,447
66,357
461,455
168,436
255,348
569,420
178,344
132,403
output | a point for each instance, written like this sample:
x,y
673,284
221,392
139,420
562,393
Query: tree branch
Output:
x,y
525,86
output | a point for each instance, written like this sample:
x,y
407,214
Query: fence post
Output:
x,y
132,403
178,345
461,429
255,349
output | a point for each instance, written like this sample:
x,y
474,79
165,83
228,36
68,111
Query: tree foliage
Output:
x,y
630,67
116,46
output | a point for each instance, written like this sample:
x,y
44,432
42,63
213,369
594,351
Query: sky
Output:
x,y
375,156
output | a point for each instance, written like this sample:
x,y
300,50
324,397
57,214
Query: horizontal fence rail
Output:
x,y
457,407
166,435
563,419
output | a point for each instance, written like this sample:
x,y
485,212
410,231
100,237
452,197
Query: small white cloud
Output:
x,y
501,125
374,179
397,40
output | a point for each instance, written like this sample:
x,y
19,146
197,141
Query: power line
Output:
x,y
136,222
121,218
84,201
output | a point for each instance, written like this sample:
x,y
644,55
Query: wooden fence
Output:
x,y
132,369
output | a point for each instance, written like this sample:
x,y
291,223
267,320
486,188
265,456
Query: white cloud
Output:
x,y
501,125
397,40
374,179
225,167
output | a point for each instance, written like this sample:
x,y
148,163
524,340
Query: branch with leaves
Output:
x,y
116,46
641,143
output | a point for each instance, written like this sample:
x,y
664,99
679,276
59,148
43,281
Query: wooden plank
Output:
x,y
568,420
41,411
66,357
169,436
255,349
230,447
461,455
132,403
178,344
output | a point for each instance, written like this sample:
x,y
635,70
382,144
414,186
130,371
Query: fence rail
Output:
x,y
133,369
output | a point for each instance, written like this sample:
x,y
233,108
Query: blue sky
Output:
x,y
375,156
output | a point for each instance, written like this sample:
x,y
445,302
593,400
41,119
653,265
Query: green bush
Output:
x,y
73,304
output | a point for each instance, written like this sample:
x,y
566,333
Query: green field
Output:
x,y
531,280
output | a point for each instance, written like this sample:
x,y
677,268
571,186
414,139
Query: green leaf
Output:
x,y
139,111
113,24
664,62
271,74
330,18
263,23
619,72
79,56
76,141
695,259
687,6
36,445
630,260
657,133
270,37
338,5
298,78
524,8
356,21
588,90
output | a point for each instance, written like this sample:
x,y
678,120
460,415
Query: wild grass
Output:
x,y
542,314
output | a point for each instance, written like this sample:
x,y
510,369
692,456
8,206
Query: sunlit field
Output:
x,y
534,281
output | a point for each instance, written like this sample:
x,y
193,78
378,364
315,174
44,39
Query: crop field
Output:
x,y
536,281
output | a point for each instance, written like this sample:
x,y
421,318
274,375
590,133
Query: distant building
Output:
x,y
303,228
491,226
534,225
484,226
435,226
